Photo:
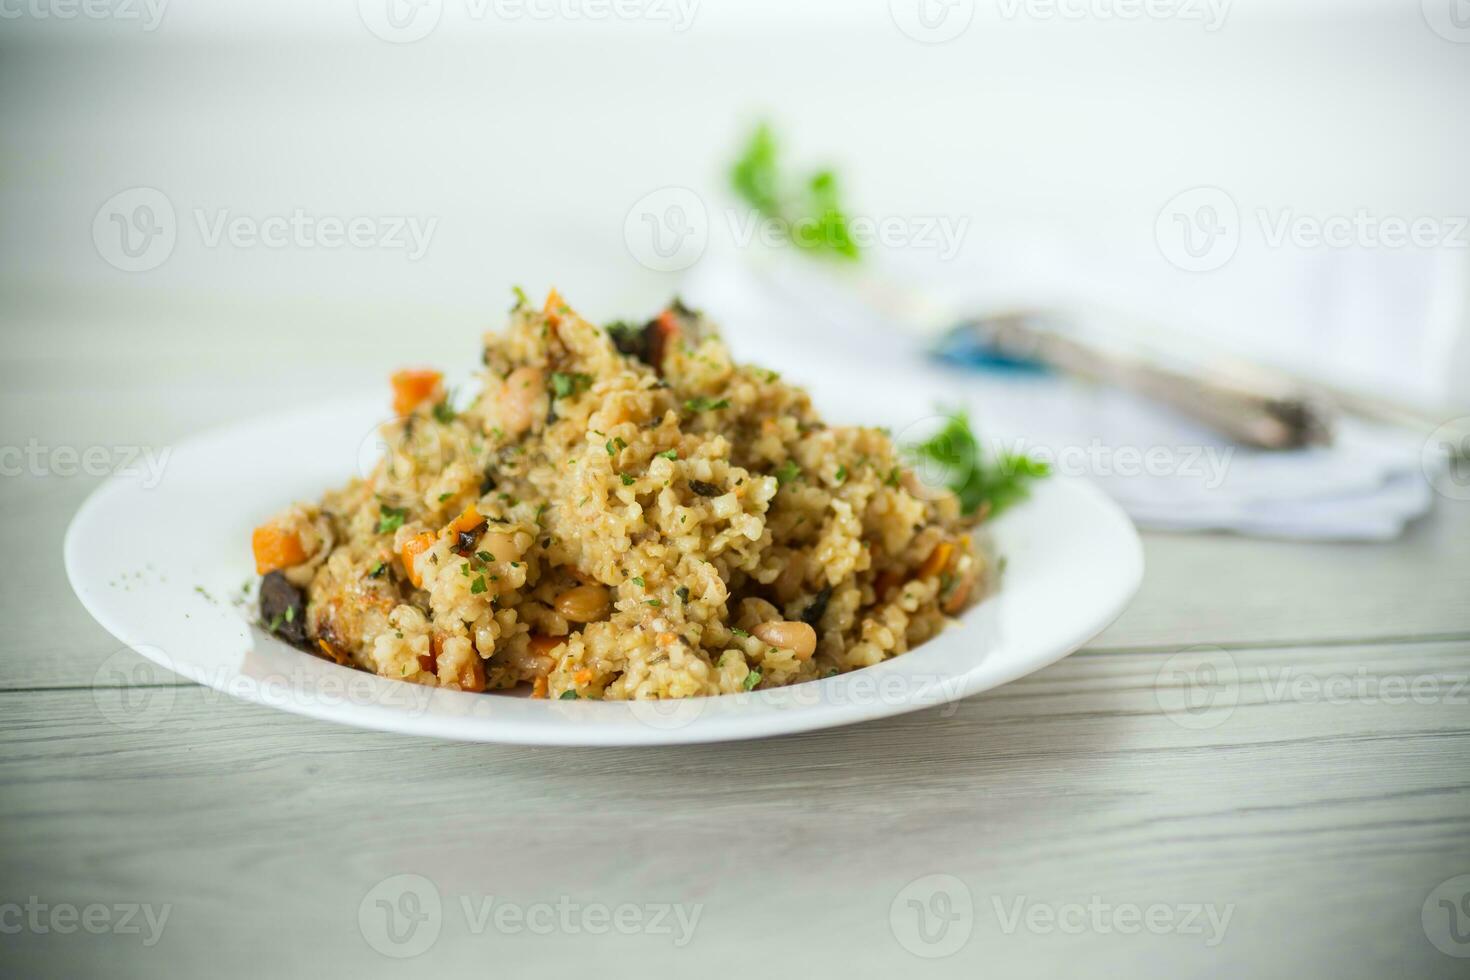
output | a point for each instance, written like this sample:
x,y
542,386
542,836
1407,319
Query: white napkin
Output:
x,y
1167,471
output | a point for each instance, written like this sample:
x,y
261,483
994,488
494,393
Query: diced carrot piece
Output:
x,y
937,560
538,689
554,308
275,548
472,676
412,548
411,388
542,646
583,676
467,521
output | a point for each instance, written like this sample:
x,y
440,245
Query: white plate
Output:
x,y
162,568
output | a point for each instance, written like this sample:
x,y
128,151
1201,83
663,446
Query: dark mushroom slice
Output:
x,y
283,609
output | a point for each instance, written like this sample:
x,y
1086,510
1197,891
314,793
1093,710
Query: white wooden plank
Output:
x,y
1324,824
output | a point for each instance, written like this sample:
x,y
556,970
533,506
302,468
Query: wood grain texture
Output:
x,y
1322,821
1320,810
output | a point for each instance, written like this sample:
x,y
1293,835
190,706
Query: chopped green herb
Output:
x,y
444,496
566,385
290,614
485,556
670,454
521,299
478,585
739,632
568,696
376,570
609,447
275,623
810,211
751,679
390,519
992,484
841,474
787,472
627,480
653,602
683,593
444,411
638,581
703,404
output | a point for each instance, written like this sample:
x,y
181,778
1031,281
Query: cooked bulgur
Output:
x,y
619,513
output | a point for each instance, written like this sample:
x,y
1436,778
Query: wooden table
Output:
x,y
1082,822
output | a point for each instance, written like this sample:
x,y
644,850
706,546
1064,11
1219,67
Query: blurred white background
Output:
x,y
521,135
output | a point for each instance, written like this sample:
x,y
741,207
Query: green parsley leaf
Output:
x,y
568,696
751,679
787,472
444,411
376,570
703,404
478,585
810,211
638,581
627,480
978,482
566,385
739,632
390,519
670,454
521,299
841,474
653,602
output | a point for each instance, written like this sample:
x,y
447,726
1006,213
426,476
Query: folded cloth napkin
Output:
x,y
1167,471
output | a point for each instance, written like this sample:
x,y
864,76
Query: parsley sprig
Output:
x,y
809,210
979,482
